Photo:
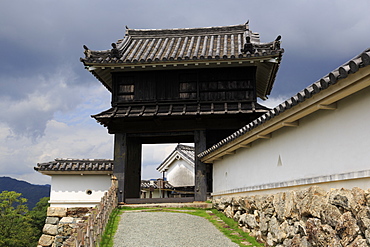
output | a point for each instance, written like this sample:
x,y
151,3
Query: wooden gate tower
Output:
x,y
192,85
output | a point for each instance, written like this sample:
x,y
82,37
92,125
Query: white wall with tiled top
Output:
x,y
78,190
330,147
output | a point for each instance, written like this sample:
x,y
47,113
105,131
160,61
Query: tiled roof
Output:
x,y
189,48
76,166
332,78
146,184
187,152
93,166
185,109
153,45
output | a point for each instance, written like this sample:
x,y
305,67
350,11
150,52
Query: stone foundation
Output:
x,y
311,217
60,224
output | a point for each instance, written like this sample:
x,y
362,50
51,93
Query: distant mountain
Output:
x,y
32,192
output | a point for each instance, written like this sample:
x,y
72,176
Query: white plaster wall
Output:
x,y
180,173
70,190
155,194
324,143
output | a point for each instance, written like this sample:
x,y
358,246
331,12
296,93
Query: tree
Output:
x,y
16,229
38,215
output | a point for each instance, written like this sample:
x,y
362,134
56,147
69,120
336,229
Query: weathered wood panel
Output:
x,y
127,166
221,84
200,193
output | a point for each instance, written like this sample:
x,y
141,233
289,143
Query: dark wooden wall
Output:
x,y
215,85
208,86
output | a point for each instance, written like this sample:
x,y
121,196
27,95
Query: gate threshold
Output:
x,y
165,203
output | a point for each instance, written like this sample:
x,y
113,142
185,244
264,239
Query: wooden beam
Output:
x,y
245,145
219,158
268,136
328,107
291,124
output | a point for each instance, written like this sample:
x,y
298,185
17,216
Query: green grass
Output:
x,y
227,226
111,228
224,224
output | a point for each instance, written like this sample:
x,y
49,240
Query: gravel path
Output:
x,y
165,229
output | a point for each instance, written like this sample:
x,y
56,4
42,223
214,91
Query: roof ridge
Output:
x,y
82,160
184,147
187,31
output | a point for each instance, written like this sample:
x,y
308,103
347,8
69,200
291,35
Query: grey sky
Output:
x,y
47,97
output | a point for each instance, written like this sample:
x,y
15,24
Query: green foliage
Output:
x,y
38,216
20,227
15,226
32,192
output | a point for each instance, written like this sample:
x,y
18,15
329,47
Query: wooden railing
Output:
x,y
89,232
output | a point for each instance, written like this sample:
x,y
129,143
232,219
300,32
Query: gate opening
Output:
x,y
167,170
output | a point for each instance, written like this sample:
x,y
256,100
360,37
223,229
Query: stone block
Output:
x,y
312,202
65,229
358,242
50,229
284,204
247,204
69,220
347,228
78,211
321,235
264,203
52,220
367,236
57,212
250,220
330,215
236,216
66,220
229,212
46,240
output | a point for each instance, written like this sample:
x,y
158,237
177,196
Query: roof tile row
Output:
x,y
146,184
76,165
179,109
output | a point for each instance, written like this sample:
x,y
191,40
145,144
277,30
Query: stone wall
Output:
x,y
60,224
310,217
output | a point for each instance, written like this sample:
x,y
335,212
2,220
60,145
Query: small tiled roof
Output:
x,y
146,184
187,152
184,109
332,78
76,166
165,48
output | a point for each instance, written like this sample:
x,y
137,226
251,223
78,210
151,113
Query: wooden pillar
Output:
x,y
133,168
120,153
127,166
200,193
